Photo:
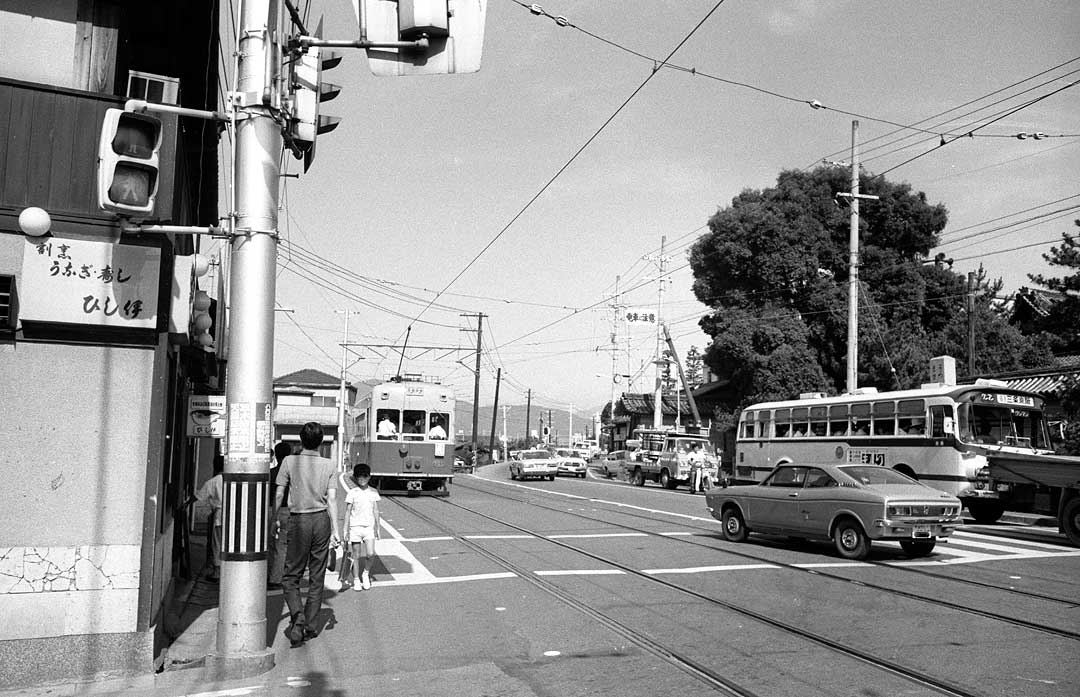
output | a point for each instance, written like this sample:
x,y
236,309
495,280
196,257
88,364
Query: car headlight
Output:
x,y
899,510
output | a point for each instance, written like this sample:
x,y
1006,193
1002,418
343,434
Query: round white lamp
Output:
x,y
34,221
202,264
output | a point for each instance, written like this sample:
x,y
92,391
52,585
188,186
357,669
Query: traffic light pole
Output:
x,y
241,629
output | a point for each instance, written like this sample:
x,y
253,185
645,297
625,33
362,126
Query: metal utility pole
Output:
x,y
971,322
241,629
495,413
506,445
342,396
570,435
476,383
853,264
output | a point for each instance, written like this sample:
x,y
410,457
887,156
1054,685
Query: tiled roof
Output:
x,y
308,376
642,403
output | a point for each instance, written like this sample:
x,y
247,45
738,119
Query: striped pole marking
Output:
x,y
245,509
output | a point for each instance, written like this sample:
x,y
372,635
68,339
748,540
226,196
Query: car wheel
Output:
x,y
1070,520
918,548
734,526
666,481
551,477
984,511
850,540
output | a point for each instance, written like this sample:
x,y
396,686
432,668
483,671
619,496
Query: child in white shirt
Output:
x,y
362,517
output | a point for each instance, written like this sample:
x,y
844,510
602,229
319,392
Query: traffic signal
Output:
x,y
454,34
307,91
128,162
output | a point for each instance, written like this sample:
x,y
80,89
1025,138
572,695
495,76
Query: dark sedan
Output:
x,y
848,504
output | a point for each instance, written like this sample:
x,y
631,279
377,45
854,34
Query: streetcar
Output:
x,y
403,431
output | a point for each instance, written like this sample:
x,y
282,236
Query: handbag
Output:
x,y
331,563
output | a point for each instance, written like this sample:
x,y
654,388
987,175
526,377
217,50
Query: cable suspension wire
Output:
x,y
846,150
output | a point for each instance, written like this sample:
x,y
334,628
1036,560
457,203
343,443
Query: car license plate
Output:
x,y
921,531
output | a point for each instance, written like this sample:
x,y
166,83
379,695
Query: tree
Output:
x,y
774,269
1062,319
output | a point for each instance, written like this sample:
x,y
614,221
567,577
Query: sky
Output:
x,y
474,184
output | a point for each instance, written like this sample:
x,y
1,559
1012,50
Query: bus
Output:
x,y
938,434
403,431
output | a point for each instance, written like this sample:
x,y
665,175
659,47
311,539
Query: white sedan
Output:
x,y
572,465
539,464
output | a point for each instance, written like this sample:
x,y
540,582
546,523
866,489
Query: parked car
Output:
x,y
571,463
536,463
852,505
613,463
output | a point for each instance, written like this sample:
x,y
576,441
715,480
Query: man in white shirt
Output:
x,y
436,432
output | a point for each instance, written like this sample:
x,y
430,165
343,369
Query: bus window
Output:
x,y
819,421
763,424
386,423
911,417
940,416
838,420
860,419
412,425
783,423
746,428
884,419
800,422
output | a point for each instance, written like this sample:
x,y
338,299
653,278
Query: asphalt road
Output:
x,y
594,587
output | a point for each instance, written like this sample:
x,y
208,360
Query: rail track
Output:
x,y
658,648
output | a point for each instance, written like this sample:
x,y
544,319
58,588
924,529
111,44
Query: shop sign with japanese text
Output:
x,y
89,282
206,416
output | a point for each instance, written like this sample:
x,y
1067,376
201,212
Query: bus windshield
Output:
x,y
986,422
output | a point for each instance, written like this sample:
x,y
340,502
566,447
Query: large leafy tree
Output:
x,y
774,269
1063,316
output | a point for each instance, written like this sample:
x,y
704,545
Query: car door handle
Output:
x,y
793,495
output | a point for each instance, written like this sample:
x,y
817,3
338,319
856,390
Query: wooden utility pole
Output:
x,y
528,416
476,383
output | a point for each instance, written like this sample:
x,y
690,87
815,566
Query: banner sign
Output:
x,y
90,283
641,316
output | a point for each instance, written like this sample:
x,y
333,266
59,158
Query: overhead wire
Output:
x,y
570,161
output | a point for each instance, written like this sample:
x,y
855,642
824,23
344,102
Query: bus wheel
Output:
x,y
985,511
918,548
1070,520
850,540
666,481
734,526
906,471
638,478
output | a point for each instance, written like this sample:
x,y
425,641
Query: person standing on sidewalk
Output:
x,y
312,528
279,523
210,494
362,518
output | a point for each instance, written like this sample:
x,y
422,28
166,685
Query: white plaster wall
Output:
x,y
74,443
37,40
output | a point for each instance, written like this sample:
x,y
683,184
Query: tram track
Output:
x,y
1067,602
657,648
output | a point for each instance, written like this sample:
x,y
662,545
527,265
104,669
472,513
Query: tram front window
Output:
x,y
412,425
386,424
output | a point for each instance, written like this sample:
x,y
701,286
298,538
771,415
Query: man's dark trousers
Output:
x,y
309,545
